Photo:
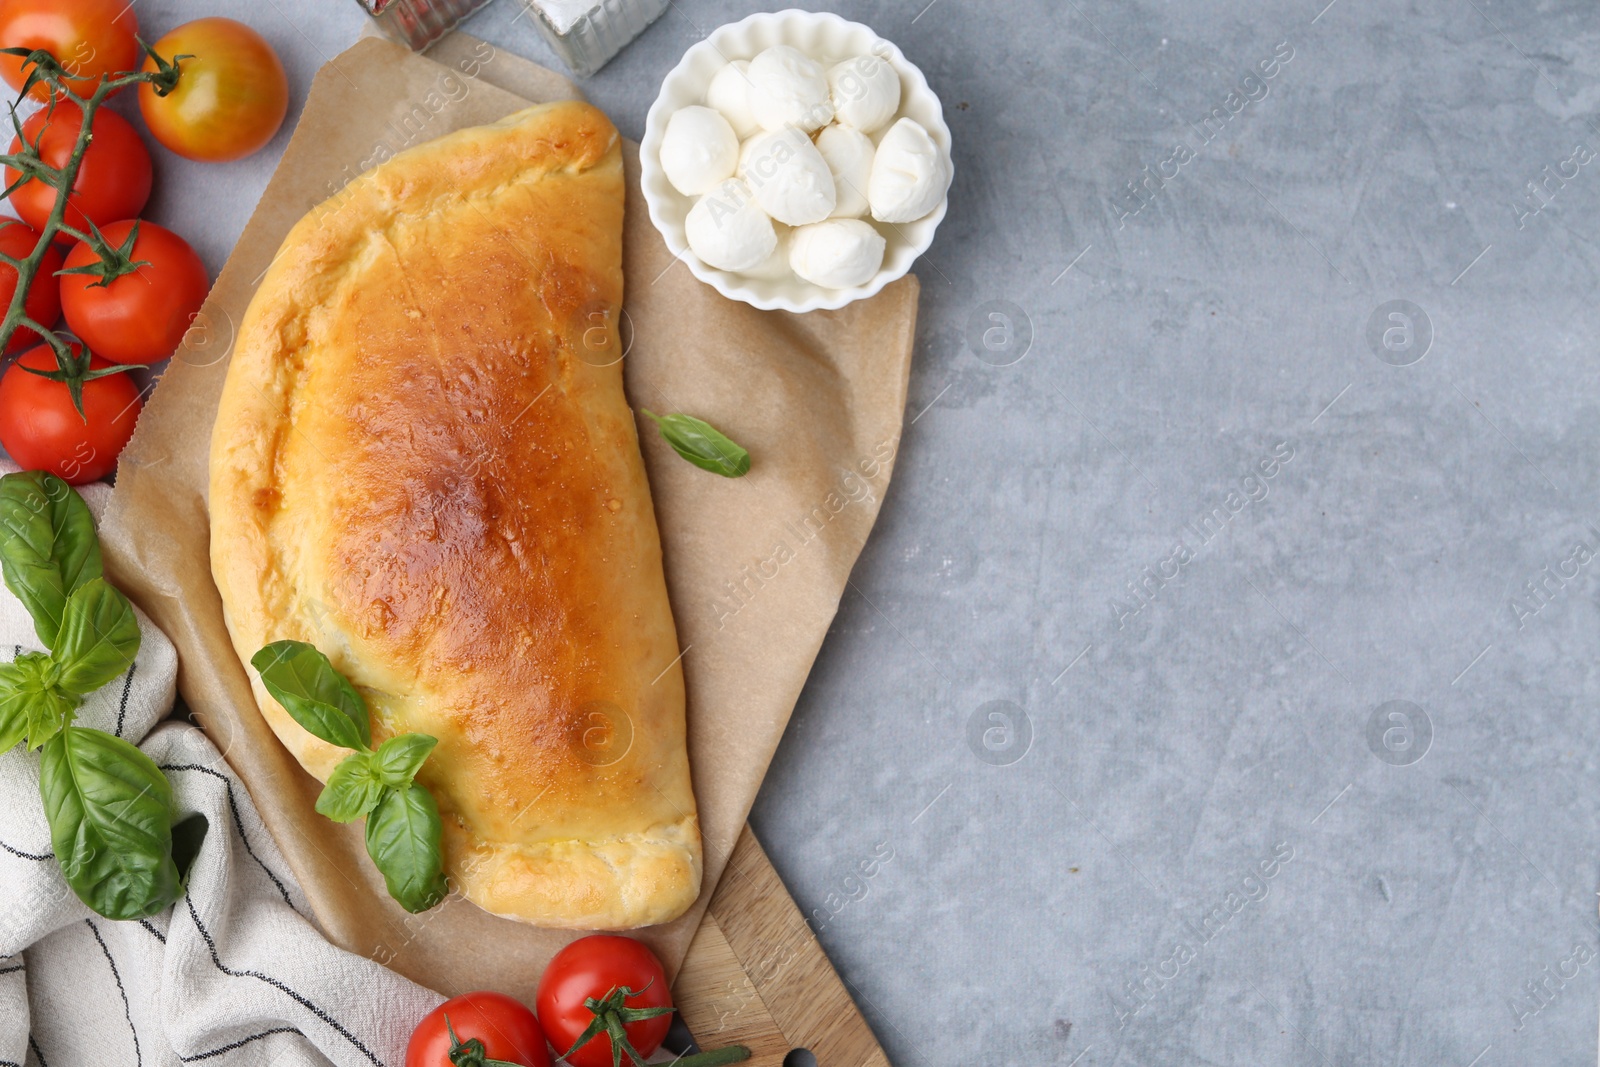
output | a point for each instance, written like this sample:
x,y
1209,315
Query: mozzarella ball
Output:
x,y
791,180
776,265
848,153
865,92
729,93
728,230
788,88
908,174
837,254
698,150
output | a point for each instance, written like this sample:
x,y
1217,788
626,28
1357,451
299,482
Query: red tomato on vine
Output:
x,y
232,93
43,303
475,1030
626,984
113,180
89,38
43,429
139,316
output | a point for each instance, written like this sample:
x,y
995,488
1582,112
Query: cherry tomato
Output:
x,y
43,304
507,1029
89,38
139,317
42,431
598,966
230,99
113,180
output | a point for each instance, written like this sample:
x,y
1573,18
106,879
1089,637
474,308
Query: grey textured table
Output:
x,y
1187,489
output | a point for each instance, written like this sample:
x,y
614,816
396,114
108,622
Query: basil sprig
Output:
x,y
50,547
702,444
403,827
108,805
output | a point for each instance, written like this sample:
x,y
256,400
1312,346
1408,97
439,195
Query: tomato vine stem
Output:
x,y
72,362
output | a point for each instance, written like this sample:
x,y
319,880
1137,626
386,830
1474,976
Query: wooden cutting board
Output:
x,y
755,975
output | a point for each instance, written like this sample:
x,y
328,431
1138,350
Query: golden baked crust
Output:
x,y
424,464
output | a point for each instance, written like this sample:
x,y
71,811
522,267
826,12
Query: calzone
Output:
x,y
424,465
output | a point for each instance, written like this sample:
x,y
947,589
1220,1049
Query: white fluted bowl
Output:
x,y
829,39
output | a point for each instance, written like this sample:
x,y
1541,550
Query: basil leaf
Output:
x,y
403,834
31,705
399,758
49,713
20,686
702,444
353,789
110,813
14,703
319,698
99,637
50,547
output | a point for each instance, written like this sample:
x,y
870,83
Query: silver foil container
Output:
x,y
587,33
584,33
418,23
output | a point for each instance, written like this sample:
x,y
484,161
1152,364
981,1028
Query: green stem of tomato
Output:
x,y
715,1058
28,161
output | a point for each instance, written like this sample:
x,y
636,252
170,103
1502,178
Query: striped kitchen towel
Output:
x,y
235,973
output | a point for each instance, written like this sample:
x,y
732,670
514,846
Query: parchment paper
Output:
x,y
755,567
